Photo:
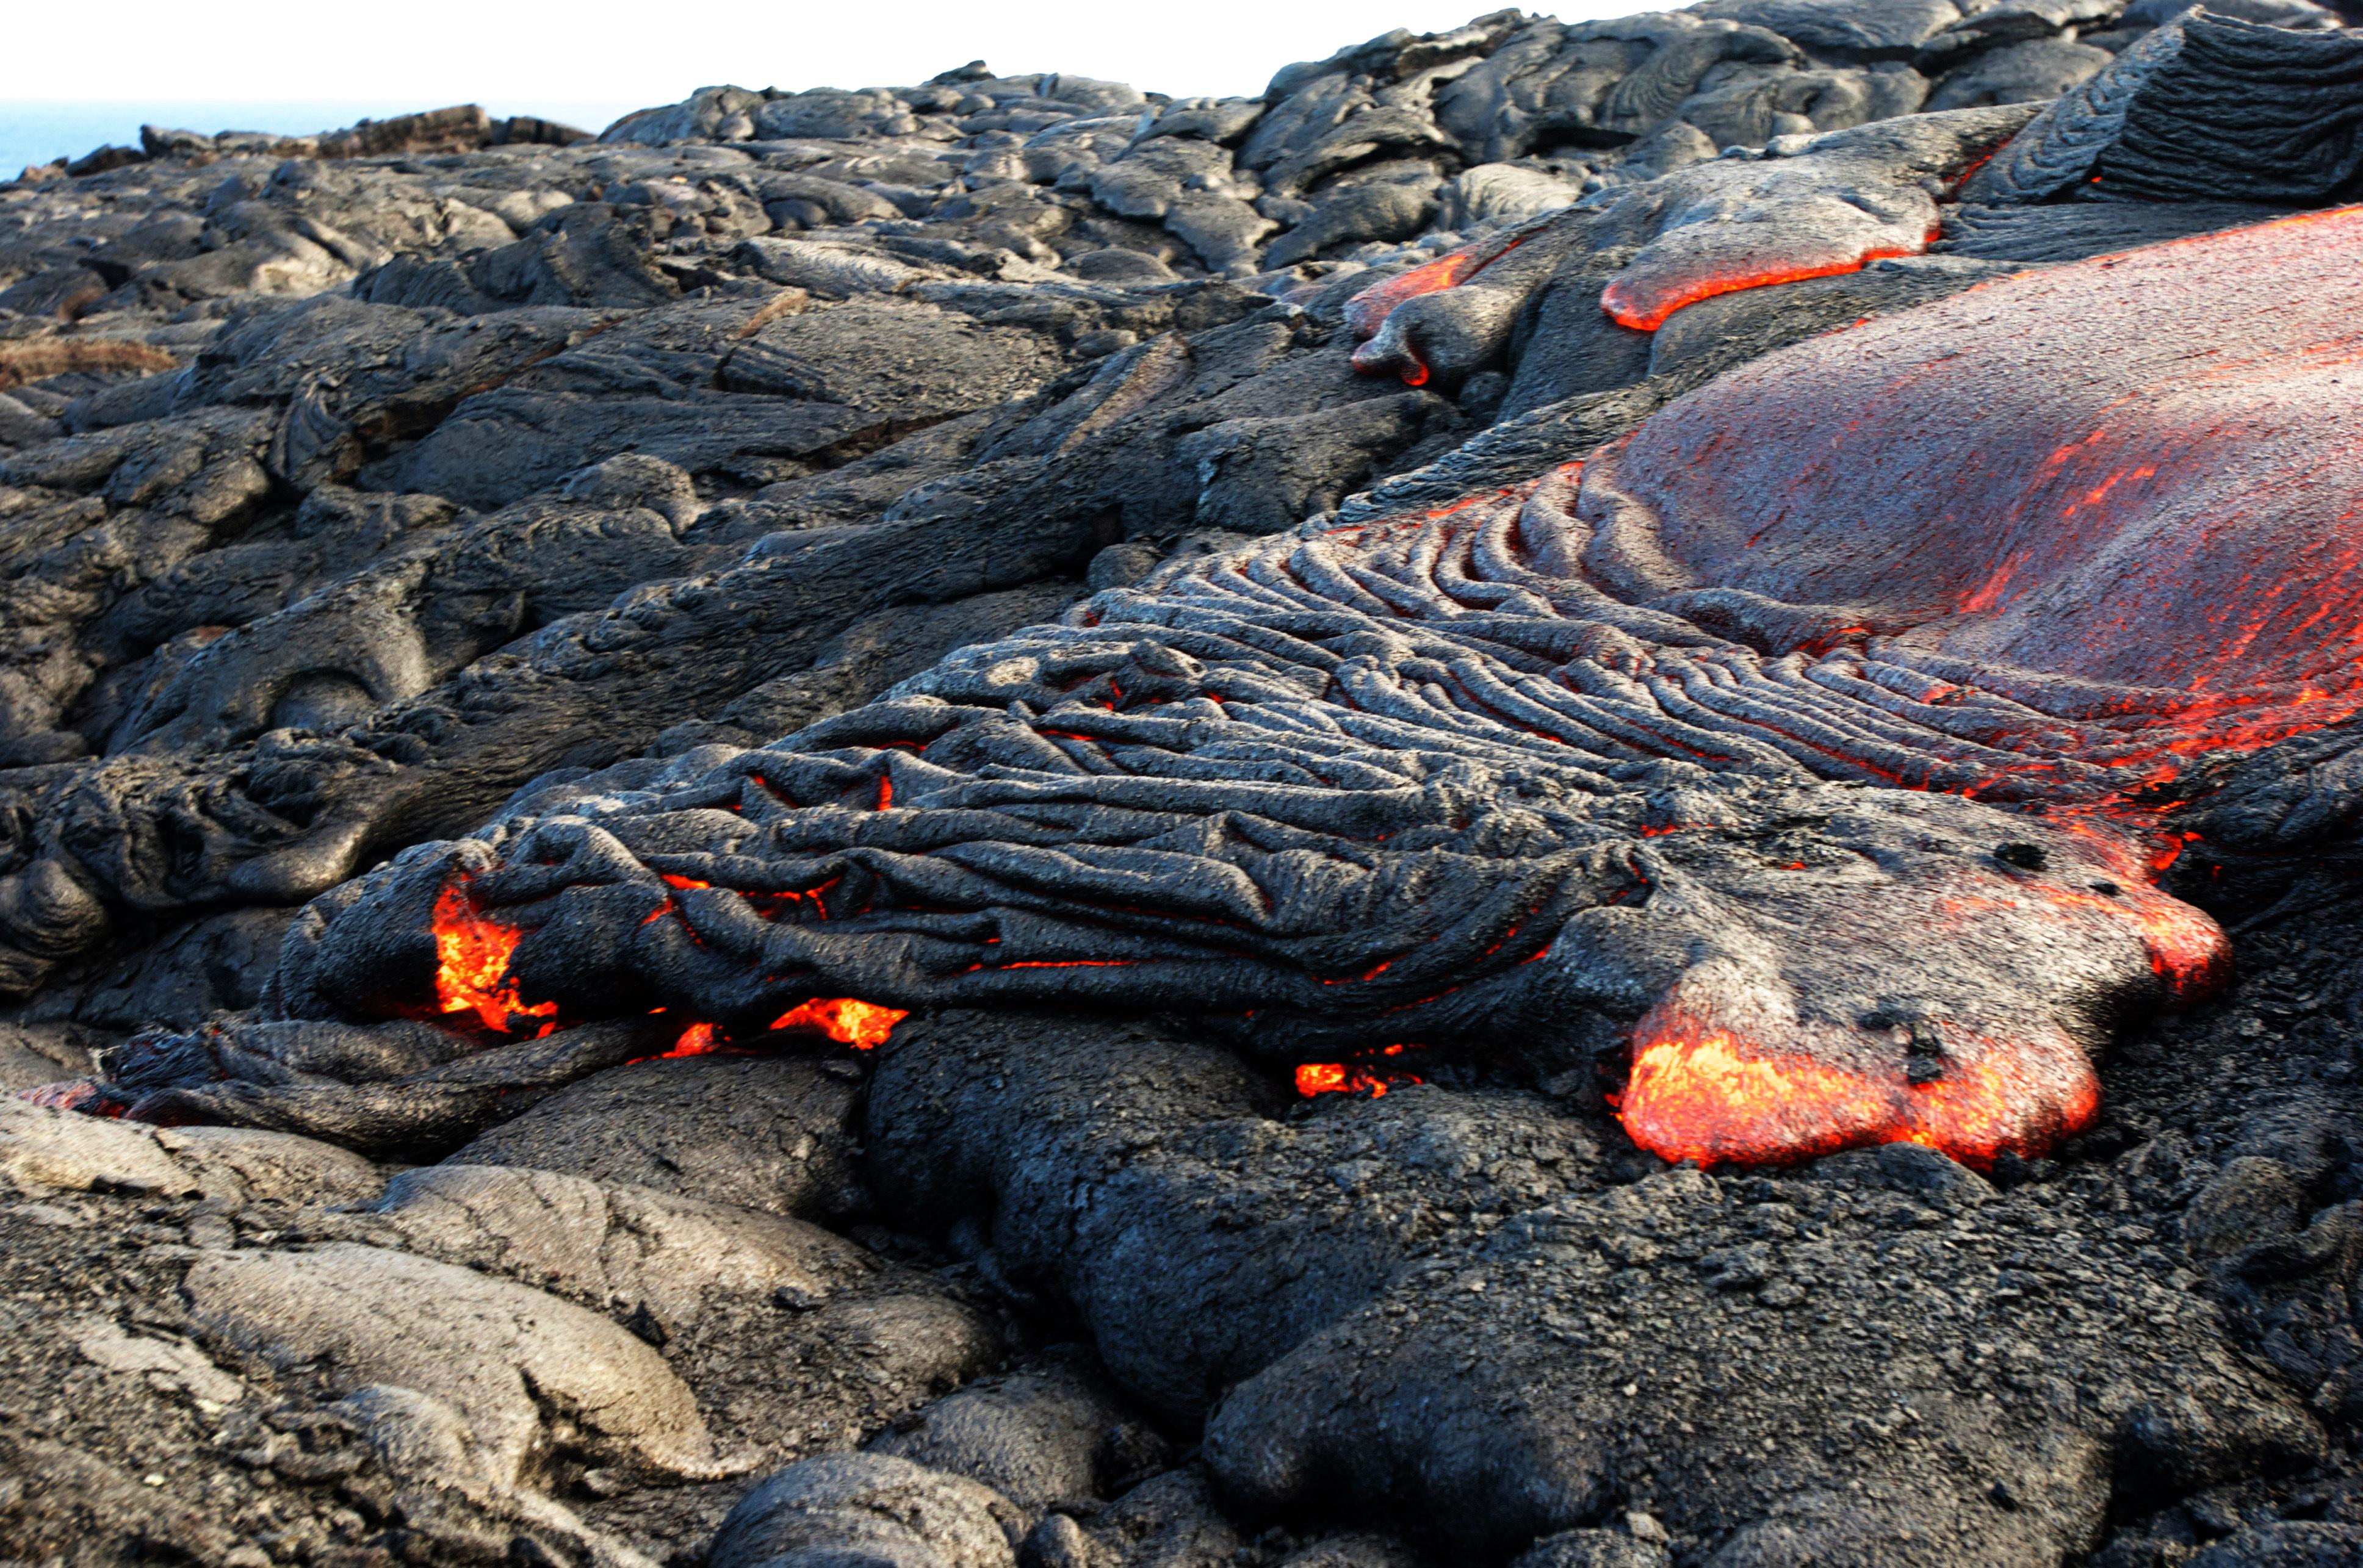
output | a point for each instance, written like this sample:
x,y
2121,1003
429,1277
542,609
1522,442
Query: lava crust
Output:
x,y
1411,782
1472,816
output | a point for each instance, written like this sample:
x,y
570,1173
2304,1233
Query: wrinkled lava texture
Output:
x,y
1509,775
1415,781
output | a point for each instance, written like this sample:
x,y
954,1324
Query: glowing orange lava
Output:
x,y
1645,307
860,1024
1699,1092
472,966
1368,310
2187,949
1340,1077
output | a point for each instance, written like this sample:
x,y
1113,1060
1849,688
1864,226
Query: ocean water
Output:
x,y
36,133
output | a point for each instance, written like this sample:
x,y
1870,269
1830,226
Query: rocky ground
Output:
x,y
444,477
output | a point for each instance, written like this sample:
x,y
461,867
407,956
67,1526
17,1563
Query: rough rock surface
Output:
x,y
1313,681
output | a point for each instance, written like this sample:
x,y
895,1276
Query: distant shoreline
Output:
x,y
37,133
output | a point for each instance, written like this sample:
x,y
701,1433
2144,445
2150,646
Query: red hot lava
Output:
x,y
1353,1077
2159,548
2040,542
471,972
1701,1093
1645,302
472,968
2123,491
860,1024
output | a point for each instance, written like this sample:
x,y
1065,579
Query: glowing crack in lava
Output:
x,y
472,956
860,1024
1352,1078
1644,303
472,963
1805,733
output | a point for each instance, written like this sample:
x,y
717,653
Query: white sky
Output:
x,y
509,55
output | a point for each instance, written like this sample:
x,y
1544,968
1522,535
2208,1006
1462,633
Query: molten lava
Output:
x,y
1336,1077
1644,304
471,968
2036,545
2155,553
1367,311
860,1024
1703,1093
1353,1077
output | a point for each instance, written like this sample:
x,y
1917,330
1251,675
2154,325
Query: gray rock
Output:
x,y
867,1508
2251,1199
1593,1548
2295,1545
1037,1437
767,1133
527,1371
599,1244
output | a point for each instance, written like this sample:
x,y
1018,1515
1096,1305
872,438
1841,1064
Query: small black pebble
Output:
x,y
2025,856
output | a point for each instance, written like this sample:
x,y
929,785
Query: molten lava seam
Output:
x,y
473,957
1701,1093
1471,775
1644,307
1361,1078
860,1024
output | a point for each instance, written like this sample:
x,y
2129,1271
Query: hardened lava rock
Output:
x,y
1605,752
925,569
2186,114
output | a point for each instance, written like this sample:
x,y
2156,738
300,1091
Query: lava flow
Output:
x,y
473,955
1703,1093
2068,531
472,968
1367,311
860,1024
1643,303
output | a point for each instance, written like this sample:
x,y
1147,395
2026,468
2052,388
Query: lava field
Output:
x,y
1586,796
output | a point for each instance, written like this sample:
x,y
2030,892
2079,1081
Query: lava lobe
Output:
x,y
1803,727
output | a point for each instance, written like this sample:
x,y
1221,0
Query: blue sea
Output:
x,y
36,133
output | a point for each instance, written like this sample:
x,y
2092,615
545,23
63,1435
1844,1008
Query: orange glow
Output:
x,y
1645,308
1368,310
1337,1077
859,1024
2187,949
1065,964
697,1040
1699,1092
472,968
1321,1078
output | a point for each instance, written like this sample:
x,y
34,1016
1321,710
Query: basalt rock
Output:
x,y
1244,786
1312,682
